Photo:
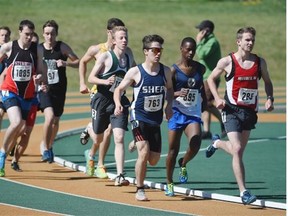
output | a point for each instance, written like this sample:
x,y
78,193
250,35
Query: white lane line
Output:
x,y
181,190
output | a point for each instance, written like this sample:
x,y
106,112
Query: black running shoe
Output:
x,y
84,137
15,166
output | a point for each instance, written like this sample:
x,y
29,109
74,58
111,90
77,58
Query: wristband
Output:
x,y
270,98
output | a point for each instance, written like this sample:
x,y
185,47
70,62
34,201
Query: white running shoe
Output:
x,y
140,195
42,148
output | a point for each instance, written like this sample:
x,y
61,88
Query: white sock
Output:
x,y
242,192
215,143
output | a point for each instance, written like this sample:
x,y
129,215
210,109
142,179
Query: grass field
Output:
x,y
83,23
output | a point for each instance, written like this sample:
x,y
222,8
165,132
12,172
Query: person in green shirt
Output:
x,y
209,52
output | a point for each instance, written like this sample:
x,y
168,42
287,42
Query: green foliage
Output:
x,y
83,23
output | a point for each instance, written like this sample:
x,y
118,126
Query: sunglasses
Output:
x,y
155,50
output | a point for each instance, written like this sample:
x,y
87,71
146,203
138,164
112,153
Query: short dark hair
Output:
x,y
206,24
243,30
6,28
27,23
188,40
148,39
51,23
111,23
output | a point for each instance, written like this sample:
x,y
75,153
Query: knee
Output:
x,y
119,139
16,125
108,131
237,149
195,143
153,160
173,153
49,120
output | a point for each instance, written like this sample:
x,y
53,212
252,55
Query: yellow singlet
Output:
x,y
103,48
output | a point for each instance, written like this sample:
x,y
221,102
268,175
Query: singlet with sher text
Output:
x,y
149,97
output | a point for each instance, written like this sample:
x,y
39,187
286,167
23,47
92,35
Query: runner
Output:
x,y
93,53
57,56
239,107
189,95
18,87
107,73
149,80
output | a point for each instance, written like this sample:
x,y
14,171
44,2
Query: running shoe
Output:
x,y
2,172
169,190
51,155
132,146
183,175
46,156
42,148
84,137
211,149
90,164
15,166
121,181
140,195
2,164
100,172
248,198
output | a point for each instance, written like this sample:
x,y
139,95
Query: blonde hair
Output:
x,y
118,28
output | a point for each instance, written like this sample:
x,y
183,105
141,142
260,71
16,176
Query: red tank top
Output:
x,y
242,84
20,71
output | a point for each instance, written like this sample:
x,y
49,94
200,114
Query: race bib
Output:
x,y
153,103
53,76
115,84
247,96
93,113
190,99
4,93
22,73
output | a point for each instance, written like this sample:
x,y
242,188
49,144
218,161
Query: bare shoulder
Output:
x,y
133,75
133,70
93,51
103,56
263,62
64,46
224,62
6,47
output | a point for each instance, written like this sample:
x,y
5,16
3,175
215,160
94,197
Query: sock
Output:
x,y
139,188
91,157
242,192
215,143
